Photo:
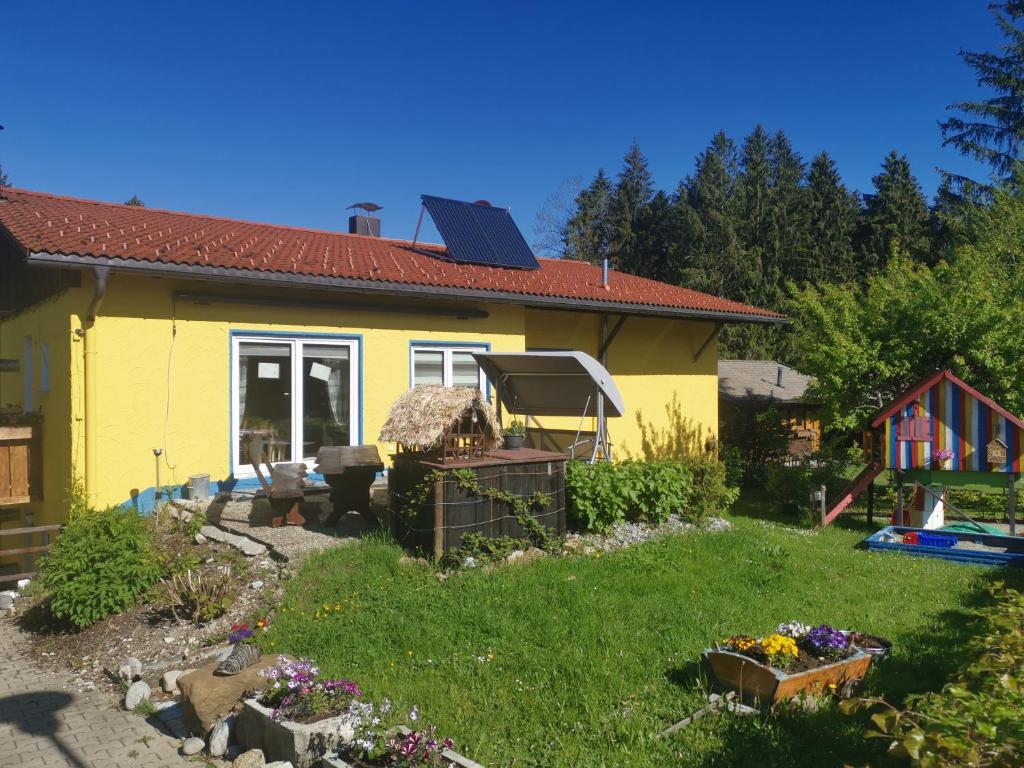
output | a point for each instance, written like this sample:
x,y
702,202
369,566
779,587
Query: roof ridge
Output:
x,y
213,217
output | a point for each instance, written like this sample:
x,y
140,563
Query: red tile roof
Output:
x,y
49,224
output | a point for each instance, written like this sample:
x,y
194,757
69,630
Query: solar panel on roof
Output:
x,y
475,233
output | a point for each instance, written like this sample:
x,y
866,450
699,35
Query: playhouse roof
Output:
x,y
66,231
421,417
930,381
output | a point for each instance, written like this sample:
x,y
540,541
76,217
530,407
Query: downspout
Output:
x,y
91,352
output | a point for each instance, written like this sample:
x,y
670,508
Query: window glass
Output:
x,y
326,397
265,397
428,367
465,371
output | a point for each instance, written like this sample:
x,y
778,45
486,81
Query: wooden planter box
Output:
x,y
304,745
449,513
769,686
21,464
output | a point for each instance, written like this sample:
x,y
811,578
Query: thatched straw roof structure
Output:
x,y
421,417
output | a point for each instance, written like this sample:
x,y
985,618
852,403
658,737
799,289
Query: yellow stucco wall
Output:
x,y
164,370
652,361
47,325
151,395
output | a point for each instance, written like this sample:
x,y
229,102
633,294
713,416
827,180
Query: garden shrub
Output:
x,y
100,564
603,494
975,720
790,487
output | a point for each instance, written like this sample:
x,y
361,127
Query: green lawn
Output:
x,y
580,661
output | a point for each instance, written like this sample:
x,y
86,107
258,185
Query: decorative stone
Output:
x,y
251,759
192,746
6,600
258,584
206,698
130,670
301,744
169,681
242,655
199,538
221,735
138,692
251,548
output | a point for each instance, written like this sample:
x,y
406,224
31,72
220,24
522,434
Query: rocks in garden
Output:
x,y
220,736
130,669
169,681
251,759
258,584
192,746
199,538
206,698
244,545
7,600
138,692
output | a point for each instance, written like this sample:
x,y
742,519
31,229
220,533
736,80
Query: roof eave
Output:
x,y
384,288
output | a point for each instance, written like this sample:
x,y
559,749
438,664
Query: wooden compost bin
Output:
x,y
21,464
449,513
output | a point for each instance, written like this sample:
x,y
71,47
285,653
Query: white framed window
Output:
x,y
449,365
298,393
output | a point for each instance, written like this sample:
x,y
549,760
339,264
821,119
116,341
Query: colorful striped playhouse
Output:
x,y
944,432
943,412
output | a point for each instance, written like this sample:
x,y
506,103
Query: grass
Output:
x,y
580,661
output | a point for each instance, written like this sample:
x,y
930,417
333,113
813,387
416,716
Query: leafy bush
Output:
x,y
975,720
198,598
100,564
790,487
978,504
601,495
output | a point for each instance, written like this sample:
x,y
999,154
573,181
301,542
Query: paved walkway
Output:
x,y
44,725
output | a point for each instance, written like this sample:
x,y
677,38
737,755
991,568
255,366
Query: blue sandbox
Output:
x,y
1003,550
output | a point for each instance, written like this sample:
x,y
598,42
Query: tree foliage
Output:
x,y
864,345
747,221
991,130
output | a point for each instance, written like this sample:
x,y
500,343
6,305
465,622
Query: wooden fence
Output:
x,y
29,548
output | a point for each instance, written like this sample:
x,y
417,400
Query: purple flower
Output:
x,y
825,641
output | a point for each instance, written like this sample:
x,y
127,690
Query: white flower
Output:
x,y
414,714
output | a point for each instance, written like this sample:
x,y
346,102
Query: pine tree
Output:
x,y
896,218
587,233
658,239
992,130
754,204
633,191
135,201
4,181
788,237
713,256
832,213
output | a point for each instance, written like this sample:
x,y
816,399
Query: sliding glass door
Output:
x,y
297,394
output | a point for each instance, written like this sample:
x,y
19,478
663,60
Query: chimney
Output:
x,y
778,377
362,222
604,274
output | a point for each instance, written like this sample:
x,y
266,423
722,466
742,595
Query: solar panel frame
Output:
x,y
480,234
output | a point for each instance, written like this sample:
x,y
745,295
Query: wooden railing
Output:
x,y
46,533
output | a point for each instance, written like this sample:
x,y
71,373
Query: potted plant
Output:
x,y
515,434
794,659
301,717
943,457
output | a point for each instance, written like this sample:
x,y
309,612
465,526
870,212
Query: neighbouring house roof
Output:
x,y
420,418
67,231
930,381
745,380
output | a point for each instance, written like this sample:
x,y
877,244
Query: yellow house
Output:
x,y
149,340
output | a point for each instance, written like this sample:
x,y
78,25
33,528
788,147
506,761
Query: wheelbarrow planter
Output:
x,y
767,685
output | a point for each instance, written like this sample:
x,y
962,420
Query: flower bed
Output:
x,y
301,717
796,658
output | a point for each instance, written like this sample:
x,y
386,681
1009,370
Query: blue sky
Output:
x,y
288,112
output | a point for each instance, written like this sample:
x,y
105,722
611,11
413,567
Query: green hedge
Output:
x,y
975,720
600,495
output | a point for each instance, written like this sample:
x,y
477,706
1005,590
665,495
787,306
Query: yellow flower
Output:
x,y
409,652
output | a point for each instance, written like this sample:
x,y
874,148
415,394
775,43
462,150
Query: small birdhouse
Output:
x,y
995,452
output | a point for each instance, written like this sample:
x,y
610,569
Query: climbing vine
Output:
x,y
467,481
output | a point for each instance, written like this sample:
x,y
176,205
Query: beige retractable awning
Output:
x,y
551,383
